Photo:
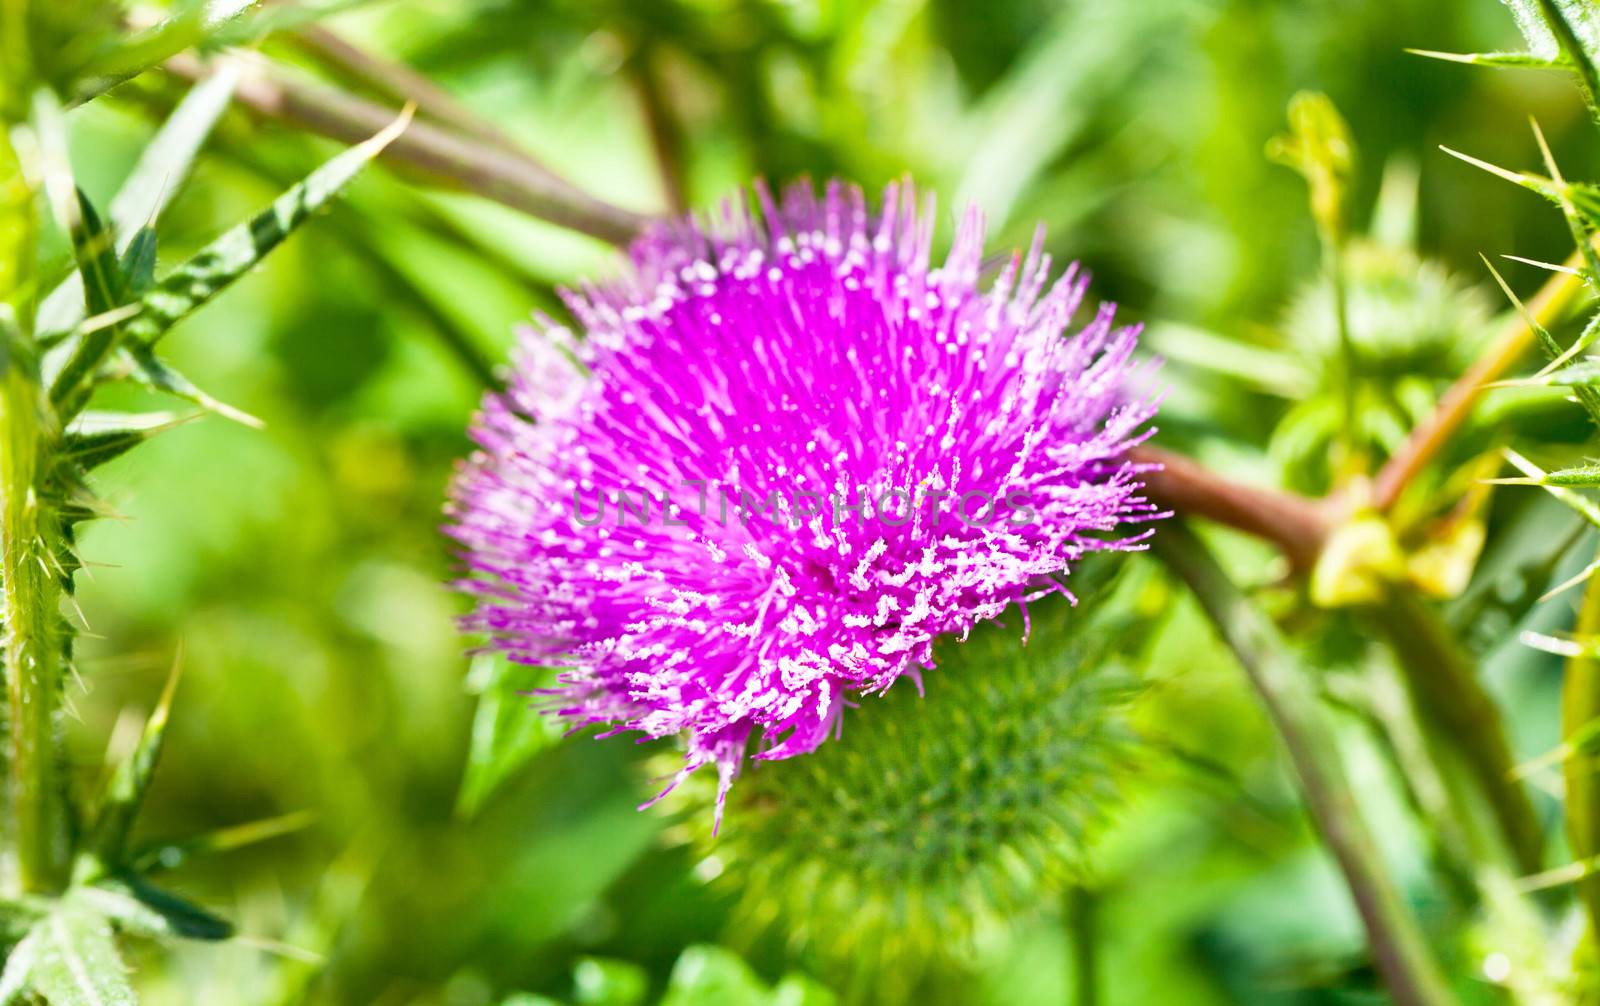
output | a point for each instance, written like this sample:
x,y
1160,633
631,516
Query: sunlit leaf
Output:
x,y
171,855
97,437
1585,374
508,730
148,369
1581,15
155,179
598,981
125,790
73,960
219,264
712,976
1577,477
1525,60
138,907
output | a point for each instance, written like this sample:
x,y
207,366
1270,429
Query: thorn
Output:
x,y
1551,266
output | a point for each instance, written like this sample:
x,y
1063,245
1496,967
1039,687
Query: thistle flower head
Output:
x,y
894,856
786,455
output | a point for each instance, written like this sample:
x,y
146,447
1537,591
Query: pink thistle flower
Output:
x,y
787,455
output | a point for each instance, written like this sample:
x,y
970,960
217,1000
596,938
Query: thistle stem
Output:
x,y
1457,711
1398,948
1553,301
513,179
1294,523
402,83
1580,707
1082,911
31,649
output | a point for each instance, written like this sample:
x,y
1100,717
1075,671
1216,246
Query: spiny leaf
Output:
x,y
92,247
1586,373
170,154
1577,31
1546,340
1547,266
1585,339
1588,397
1578,477
230,256
96,438
171,855
75,960
1582,197
139,262
1516,59
125,790
154,373
191,23
14,980
155,179
1561,646
1536,29
1534,475
1577,202
138,907
105,289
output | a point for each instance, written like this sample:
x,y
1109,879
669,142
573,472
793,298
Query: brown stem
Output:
x,y
662,126
1294,523
402,83
512,179
1551,303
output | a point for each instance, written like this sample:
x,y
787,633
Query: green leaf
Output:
x,y
92,248
1579,477
97,437
507,731
1588,397
171,855
1526,60
73,961
1581,15
138,907
155,179
1559,483
139,262
169,156
154,373
219,264
105,289
15,979
713,976
799,990
1574,28
192,23
1318,145
1585,374
601,982
1578,198
125,790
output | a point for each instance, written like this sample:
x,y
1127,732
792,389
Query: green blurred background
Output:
x,y
300,570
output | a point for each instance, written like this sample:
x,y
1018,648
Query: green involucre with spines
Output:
x,y
940,818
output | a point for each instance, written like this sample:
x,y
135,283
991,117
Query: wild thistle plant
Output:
x,y
72,878
942,816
